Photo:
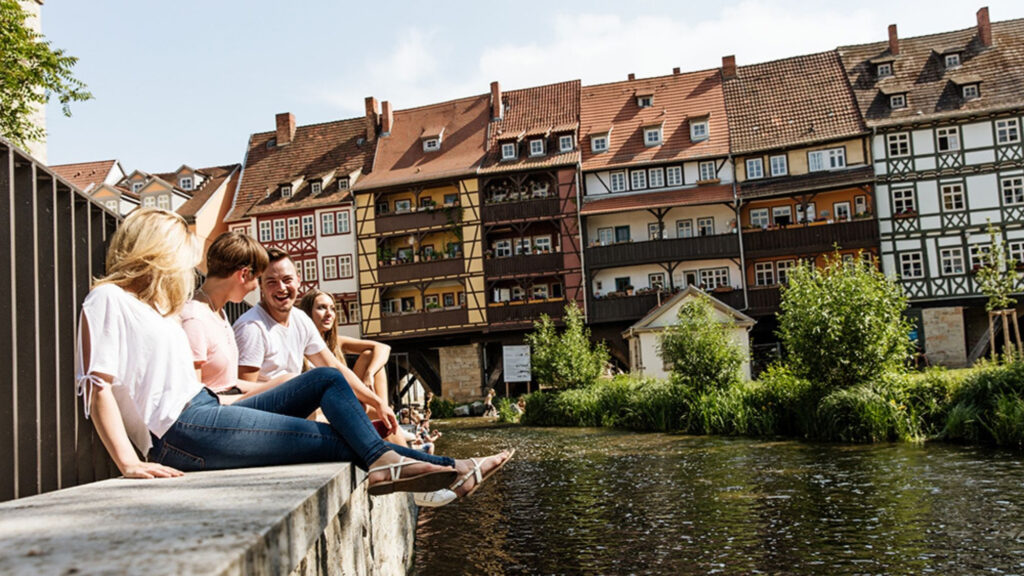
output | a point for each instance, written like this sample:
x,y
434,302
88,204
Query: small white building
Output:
x,y
643,338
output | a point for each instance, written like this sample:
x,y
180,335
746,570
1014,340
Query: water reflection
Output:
x,y
591,501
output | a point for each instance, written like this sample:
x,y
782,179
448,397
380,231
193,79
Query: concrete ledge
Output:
x,y
309,519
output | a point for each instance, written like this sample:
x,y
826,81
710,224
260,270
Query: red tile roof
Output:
x,y
543,111
215,177
316,150
932,91
400,158
677,99
685,197
790,102
85,175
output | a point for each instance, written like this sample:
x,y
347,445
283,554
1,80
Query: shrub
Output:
x,y
780,403
441,408
857,414
701,349
983,406
569,359
505,411
843,324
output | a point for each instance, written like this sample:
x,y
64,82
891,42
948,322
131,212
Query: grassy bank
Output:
x,y
984,404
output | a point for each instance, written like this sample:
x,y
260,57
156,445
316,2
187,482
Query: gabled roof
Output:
x,y
535,112
400,158
216,177
678,98
656,319
932,92
790,102
87,175
335,148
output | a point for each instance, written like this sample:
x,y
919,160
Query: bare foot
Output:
x,y
487,466
410,468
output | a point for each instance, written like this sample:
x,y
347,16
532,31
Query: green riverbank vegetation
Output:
x,y
843,376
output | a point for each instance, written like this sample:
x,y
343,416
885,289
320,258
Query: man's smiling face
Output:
x,y
279,286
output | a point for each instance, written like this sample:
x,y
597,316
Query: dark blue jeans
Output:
x,y
271,429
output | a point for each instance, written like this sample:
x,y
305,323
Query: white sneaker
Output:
x,y
434,499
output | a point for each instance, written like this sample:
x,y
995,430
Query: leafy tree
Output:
x,y
701,349
997,277
569,359
843,324
31,71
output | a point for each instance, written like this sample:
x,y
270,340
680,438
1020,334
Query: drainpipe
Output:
x,y
584,280
739,236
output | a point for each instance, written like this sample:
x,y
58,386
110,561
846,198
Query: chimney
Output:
x,y
984,28
728,67
497,109
894,41
285,128
386,119
631,77
372,118
675,70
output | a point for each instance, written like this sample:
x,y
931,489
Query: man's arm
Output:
x,y
362,391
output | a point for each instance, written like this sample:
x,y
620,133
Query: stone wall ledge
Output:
x,y
308,519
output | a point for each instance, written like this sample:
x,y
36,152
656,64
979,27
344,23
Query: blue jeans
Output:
x,y
271,429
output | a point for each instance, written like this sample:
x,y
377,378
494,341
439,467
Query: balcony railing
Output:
x,y
810,238
439,319
523,264
623,308
522,210
524,311
763,301
666,250
438,217
399,273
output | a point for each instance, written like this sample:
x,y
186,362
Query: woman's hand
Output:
x,y
149,470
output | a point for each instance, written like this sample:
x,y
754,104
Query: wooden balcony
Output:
x,y
402,273
812,238
522,210
623,308
524,312
436,218
440,319
764,301
667,250
523,264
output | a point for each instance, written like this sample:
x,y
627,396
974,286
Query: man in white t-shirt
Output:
x,y
274,337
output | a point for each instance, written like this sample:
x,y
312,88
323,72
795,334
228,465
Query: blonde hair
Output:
x,y
153,254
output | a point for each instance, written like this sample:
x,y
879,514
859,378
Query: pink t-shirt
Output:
x,y
213,345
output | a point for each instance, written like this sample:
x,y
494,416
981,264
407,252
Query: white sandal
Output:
x,y
475,473
425,482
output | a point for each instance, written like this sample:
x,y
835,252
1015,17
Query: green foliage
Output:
x,y
843,324
569,359
31,71
700,348
782,404
998,274
441,408
857,414
505,411
985,406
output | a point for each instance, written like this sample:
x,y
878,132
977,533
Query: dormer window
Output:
x,y
343,183
185,183
537,147
508,151
698,130
599,143
272,143
952,60
971,91
431,144
652,136
884,69
645,101
136,186
565,143
898,101
315,187
286,190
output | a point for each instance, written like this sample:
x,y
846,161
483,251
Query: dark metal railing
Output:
x,y
521,210
399,273
666,250
818,238
525,311
439,319
523,264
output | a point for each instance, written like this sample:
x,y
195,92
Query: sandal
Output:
x,y
480,478
426,482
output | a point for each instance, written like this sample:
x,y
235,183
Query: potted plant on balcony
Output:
x,y
432,307
629,290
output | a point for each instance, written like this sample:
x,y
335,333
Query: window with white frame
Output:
x,y
707,170
136,186
805,213
759,218
286,191
343,222
951,260
860,205
1007,131
539,291
764,274
508,151
979,254
523,246
830,159
280,230
148,202
315,187
656,177
431,145
712,278
645,101
309,270
836,158
755,168
308,226
779,165
542,244
952,196
782,268
674,176
345,266
841,210
653,231
898,144
699,130
656,280
111,205
952,60
970,91
638,179
884,69
617,181
265,235
293,228
330,267
782,215
898,101
903,201
163,201
706,226
402,206
503,248
353,312
947,139
327,223
599,143
565,143
1016,251
1013,190
537,147
606,236
517,293
185,183
343,183
652,136
911,265
684,228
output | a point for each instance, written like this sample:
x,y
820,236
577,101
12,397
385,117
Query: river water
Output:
x,y
595,501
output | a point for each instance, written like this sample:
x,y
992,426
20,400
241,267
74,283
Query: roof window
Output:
x,y
883,69
645,100
286,190
431,144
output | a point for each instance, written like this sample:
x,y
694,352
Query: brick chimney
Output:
x,y
631,77
285,128
387,118
675,70
372,118
894,41
728,67
984,27
497,108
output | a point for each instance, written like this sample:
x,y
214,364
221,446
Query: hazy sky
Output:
x,y
188,81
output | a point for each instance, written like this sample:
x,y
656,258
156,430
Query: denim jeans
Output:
x,y
271,429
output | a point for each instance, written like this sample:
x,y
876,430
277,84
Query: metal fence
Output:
x,y
52,243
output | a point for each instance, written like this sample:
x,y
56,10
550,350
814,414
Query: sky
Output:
x,y
187,82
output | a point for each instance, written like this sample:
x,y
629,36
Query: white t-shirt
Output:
x,y
148,356
273,347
